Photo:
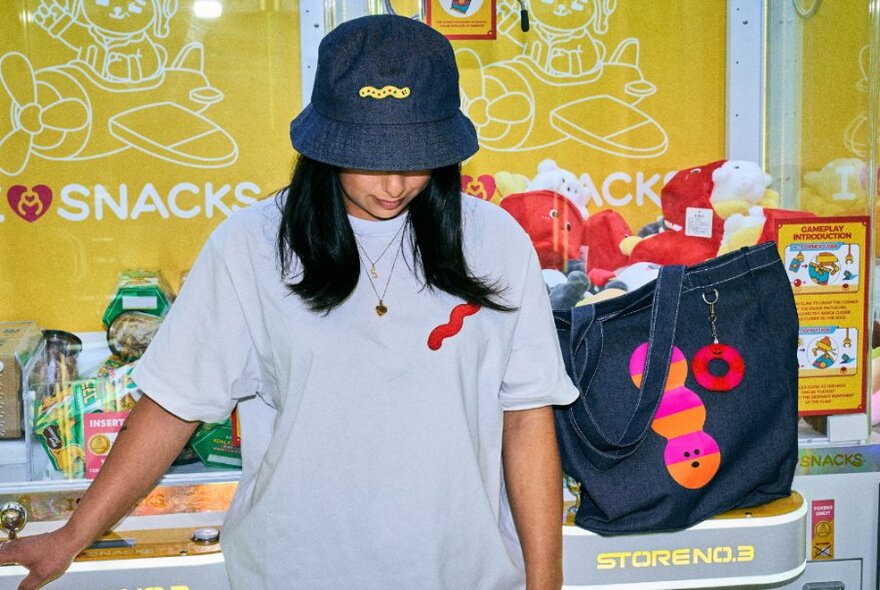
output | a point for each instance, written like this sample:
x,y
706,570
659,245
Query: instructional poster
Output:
x,y
826,261
463,19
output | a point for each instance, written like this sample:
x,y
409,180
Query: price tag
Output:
x,y
698,222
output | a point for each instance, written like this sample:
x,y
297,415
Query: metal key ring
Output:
x,y
715,300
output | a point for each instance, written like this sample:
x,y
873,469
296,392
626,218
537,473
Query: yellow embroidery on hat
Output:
x,y
380,93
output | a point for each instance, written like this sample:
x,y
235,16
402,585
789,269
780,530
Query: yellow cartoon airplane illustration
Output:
x,y
559,84
118,92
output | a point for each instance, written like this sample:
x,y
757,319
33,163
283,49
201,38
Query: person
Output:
x,y
399,333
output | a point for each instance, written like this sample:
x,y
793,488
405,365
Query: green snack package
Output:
x,y
59,423
213,443
59,420
141,290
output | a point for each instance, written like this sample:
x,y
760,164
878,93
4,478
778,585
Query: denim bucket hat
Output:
x,y
386,98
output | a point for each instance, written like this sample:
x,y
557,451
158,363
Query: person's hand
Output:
x,y
46,556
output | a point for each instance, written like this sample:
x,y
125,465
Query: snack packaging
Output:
x,y
99,433
62,418
111,363
18,343
58,423
214,445
58,361
140,290
131,332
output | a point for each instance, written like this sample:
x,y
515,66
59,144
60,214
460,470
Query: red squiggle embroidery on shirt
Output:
x,y
453,327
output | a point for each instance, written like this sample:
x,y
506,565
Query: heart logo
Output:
x,y
29,203
482,187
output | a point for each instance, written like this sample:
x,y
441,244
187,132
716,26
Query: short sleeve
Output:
x,y
203,358
535,375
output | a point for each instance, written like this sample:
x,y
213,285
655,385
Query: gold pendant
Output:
x,y
373,272
381,309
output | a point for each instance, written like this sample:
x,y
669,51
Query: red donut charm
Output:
x,y
736,367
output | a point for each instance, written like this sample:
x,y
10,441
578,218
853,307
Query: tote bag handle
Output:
x,y
582,338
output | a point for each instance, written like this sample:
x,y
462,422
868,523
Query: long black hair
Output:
x,y
316,237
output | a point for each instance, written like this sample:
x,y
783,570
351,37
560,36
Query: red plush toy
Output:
x,y
773,217
685,196
552,222
602,233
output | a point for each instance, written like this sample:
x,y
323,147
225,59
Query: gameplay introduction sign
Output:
x,y
827,264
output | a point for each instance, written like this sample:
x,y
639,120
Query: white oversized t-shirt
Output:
x,y
378,463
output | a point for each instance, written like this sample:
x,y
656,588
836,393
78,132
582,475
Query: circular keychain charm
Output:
x,y
735,366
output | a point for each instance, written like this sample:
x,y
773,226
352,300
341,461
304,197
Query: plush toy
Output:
x,y
770,233
742,229
694,195
738,185
553,278
684,200
551,177
508,183
837,189
602,234
599,276
553,223
651,229
567,294
636,275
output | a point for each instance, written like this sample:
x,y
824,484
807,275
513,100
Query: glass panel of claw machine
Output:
x,y
128,132
820,147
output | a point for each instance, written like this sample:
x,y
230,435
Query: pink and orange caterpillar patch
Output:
x,y
692,456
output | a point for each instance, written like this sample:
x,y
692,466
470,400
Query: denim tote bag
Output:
x,y
671,426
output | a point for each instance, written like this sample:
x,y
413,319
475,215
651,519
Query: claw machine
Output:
x,y
586,111
128,131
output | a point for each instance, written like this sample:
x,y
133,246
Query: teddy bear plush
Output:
x,y
551,177
837,189
738,186
509,183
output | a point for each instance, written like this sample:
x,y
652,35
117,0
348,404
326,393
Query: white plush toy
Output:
x,y
638,274
739,180
551,177
553,277
742,230
739,184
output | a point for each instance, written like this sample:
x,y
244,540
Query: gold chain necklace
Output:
x,y
372,272
381,309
